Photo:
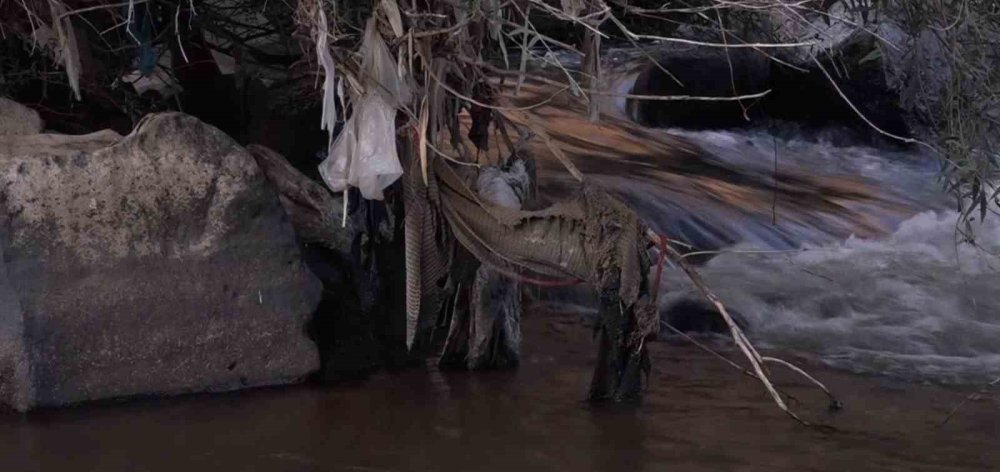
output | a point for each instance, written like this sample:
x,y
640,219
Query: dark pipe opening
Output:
x,y
805,101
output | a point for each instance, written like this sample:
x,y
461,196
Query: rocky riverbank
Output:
x,y
157,263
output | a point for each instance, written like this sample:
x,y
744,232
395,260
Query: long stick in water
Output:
x,y
756,361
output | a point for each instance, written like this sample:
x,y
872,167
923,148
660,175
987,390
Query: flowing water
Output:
x,y
853,255
912,303
860,263
842,250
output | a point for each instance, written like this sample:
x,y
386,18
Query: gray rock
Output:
x,y
17,119
161,263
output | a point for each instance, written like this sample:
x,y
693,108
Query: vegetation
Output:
x,y
939,55
445,57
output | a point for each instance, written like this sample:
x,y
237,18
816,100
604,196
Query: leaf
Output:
x,y
497,32
328,118
391,10
874,55
526,46
573,7
422,130
67,52
539,129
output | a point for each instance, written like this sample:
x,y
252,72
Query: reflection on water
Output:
x,y
698,415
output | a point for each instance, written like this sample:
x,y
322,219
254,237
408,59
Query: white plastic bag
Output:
x,y
380,68
364,155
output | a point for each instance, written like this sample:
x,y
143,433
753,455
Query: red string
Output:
x,y
539,282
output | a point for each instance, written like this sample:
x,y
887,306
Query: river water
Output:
x,y
849,252
698,415
913,302
833,243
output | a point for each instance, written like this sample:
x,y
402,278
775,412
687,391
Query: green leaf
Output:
x,y
874,55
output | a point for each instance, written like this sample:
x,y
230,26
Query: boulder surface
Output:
x,y
159,263
17,119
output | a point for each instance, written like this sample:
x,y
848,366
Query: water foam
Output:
x,y
915,305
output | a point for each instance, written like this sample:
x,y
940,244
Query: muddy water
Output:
x,y
699,414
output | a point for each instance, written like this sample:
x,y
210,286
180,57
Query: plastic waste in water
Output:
x,y
364,155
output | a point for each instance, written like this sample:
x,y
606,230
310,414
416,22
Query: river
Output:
x,y
698,415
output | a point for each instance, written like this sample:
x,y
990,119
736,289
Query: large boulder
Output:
x,y
161,263
17,119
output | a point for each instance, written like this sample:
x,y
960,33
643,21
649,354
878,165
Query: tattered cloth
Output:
x,y
592,237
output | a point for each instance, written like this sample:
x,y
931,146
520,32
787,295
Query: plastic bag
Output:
x,y
364,155
381,72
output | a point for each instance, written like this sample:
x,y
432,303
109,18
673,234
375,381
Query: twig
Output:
x,y
31,23
719,356
707,44
565,86
539,128
774,178
833,400
177,33
696,98
749,251
729,62
451,158
756,361
862,115
101,7
487,105
968,399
